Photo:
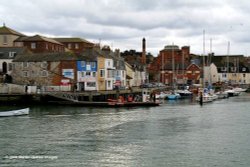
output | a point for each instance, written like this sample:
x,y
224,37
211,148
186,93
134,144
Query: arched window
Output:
x,y
4,67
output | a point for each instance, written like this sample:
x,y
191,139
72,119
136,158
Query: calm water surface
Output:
x,y
177,133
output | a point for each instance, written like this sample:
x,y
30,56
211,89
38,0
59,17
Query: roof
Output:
x,y
21,39
5,52
75,39
91,54
40,57
9,31
171,47
38,38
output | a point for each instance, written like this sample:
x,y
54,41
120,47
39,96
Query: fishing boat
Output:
x,y
24,111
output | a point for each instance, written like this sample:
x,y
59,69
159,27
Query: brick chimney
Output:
x,y
143,58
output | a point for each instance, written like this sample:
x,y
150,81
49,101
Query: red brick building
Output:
x,y
77,45
169,58
40,44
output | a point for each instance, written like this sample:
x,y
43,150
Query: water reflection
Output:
x,y
177,133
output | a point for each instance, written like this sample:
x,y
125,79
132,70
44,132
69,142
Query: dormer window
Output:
x,y
223,69
243,69
33,45
69,45
12,54
233,69
76,46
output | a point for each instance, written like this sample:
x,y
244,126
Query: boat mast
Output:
x,y
203,59
228,51
173,67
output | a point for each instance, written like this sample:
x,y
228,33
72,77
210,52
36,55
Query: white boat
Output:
x,y
24,111
205,98
185,93
162,95
239,89
222,95
232,92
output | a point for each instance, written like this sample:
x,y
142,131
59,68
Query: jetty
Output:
x,y
83,98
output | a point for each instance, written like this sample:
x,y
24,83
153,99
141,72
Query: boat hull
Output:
x,y
19,112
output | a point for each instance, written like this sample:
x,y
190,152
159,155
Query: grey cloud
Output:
x,y
126,21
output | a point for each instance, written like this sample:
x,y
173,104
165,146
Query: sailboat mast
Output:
x,y
228,51
173,66
203,58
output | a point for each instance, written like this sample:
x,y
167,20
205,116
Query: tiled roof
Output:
x,y
77,40
4,52
39,57
9,31
38,38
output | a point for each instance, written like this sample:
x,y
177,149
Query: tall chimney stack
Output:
x,y
143,58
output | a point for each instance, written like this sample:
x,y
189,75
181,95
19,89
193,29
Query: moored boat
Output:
x,y
185,93
24,111
173,96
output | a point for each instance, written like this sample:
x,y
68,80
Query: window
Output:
x,y
94,74
88,74
12,54
243,69
25,64
108,63
82,74
223,69
13,66
76,46
224,75
233,69
5,40
33,45
102,73
83,63
25,74
46,45
10,66
69,45
91,84
244,75
123,74
44,73
44,65
109,83
92,64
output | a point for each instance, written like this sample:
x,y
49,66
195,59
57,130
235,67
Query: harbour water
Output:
x,y
177,133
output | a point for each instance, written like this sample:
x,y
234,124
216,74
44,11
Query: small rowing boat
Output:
x,y
24,111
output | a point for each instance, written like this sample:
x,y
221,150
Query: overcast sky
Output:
x,y
123,23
